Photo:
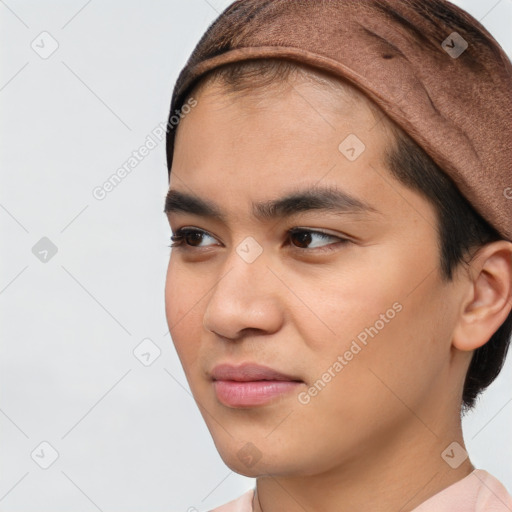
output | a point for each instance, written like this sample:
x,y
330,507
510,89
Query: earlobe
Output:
x,y
489,296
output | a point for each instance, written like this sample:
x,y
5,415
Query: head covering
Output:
x,y
430,66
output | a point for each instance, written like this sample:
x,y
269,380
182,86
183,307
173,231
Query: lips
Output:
x,y
249,372
251,385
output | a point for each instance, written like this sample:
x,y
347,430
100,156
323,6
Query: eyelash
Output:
x,y
179,237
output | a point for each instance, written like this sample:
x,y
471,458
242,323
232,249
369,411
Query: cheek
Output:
x,y
397,353
383,315
183,311
356,299
174,307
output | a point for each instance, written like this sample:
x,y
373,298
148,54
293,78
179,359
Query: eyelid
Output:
x,y
300,229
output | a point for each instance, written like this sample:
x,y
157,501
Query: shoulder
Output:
x,y
478,492
241,504
492,494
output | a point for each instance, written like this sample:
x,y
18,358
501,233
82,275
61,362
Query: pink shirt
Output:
x,y
477,492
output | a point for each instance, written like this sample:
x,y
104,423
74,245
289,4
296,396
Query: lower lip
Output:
x,y
245,394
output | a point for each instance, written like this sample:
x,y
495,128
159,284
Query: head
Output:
x,y
391,305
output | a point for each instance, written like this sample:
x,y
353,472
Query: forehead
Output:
x,y
248,148
262,81
300,114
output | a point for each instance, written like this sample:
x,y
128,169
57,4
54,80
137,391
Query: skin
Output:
x,y
372,438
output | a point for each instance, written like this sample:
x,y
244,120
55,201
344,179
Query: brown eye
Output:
x,y
193,238
304,237
188,237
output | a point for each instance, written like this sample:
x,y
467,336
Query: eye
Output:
x,y
306,236
188,237
192,237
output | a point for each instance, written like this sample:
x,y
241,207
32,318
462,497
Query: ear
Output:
x,y
488,299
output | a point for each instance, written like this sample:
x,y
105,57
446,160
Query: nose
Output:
x,y
245,298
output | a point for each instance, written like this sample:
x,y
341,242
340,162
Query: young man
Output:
x,y
340,284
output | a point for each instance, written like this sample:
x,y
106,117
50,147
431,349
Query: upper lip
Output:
x,y
248,372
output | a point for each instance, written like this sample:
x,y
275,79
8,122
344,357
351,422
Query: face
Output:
x,y
349,310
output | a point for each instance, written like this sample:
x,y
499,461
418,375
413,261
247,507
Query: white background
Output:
x,y
129,437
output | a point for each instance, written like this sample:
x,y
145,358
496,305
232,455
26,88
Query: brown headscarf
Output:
x,y
429,65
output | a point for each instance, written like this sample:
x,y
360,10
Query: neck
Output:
x,y
392,475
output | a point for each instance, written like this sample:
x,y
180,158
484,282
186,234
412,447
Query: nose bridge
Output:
x,y
246,270
245,294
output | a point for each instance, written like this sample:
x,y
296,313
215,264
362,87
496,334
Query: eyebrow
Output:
x,y
329,199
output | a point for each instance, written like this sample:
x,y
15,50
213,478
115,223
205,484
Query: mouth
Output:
x,y
250,385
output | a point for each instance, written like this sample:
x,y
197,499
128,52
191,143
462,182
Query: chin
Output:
x,y
257,458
